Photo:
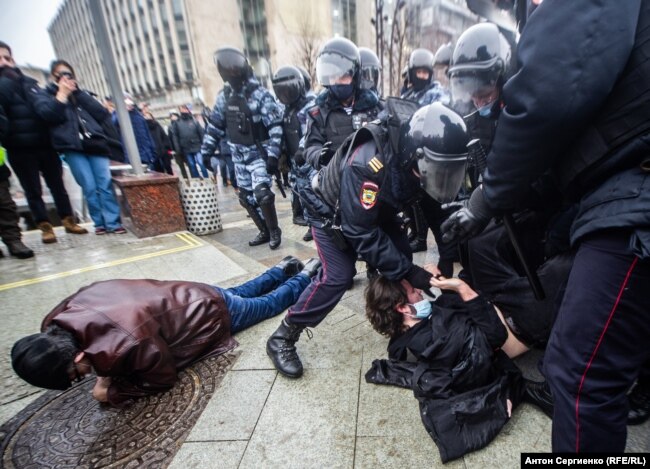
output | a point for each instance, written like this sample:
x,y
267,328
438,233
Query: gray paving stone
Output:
x,y
209,455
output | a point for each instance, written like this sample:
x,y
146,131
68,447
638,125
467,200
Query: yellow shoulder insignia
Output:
x,y
375,164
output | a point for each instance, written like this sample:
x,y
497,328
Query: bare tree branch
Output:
x,y
308,43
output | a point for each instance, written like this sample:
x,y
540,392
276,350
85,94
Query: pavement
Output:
x,y
257,418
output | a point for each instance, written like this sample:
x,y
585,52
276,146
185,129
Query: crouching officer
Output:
x,y
354,203
250,119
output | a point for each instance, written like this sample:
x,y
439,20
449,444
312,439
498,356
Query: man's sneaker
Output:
x,y
290,266
100,230
119,230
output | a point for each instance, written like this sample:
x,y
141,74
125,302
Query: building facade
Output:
x,y
164,48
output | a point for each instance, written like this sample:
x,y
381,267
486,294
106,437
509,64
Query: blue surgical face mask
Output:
x,y
421,309
342,92
485,111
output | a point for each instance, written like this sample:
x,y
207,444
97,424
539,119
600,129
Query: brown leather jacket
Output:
x,y
141,332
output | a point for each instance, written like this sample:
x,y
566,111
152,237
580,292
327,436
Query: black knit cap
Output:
x,y
38,360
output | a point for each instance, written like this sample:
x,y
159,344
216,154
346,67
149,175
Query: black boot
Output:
x,y
418,245
297,210
539,394
308,236
639,400
281,348
19,250
290,266
271,218
263,236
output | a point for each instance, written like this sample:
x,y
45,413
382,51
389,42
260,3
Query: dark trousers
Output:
x,y
336,275
9,230
227,169
29,164
435,215
599,344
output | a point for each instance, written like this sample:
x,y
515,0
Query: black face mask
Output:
x,y
420,84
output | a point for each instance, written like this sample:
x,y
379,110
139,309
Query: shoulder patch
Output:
x,y
314,111
368,196
375,164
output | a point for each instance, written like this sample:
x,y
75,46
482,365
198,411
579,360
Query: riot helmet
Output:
x,y
338,67
306,76
480,65
370,68
433,144
420,59
443,55
288,85
233,66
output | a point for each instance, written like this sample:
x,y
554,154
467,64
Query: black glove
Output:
x,y
326,154
299,158
271,165
469,221
419,278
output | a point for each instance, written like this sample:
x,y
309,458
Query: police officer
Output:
x,y
309,92
343,106
587,121
355,203
289,87
423,88
370,69
250,119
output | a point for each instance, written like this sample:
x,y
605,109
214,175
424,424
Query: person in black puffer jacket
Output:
x,y
28,145
188,137
9,229
163,163
80,138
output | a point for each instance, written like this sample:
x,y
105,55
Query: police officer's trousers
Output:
x,y
599,344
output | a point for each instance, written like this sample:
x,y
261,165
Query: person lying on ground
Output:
x,y
135,335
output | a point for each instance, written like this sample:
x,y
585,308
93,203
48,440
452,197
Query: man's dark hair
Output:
x,y
55,63
382,298
44,359
4,45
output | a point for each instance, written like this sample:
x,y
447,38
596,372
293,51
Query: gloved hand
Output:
x,y
271,165
469,221
299,158
419,278
326,154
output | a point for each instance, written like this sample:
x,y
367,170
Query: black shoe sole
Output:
x,y
283,373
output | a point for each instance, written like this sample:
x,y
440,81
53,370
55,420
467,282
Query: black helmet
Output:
x,y
480,62
306,76
288,84
370,68
420,58
338,57
233,66
443,55
434,143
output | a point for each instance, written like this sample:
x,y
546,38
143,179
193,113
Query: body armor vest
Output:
x,y
339,126
292,131
241,128
604,145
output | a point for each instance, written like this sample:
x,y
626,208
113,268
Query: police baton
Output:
x,y
278,182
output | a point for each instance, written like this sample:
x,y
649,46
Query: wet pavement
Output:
x,y
253,417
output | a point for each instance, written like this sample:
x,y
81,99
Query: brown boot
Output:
x,y
71,226
48,232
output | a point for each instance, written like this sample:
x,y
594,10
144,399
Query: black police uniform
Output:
x,y
587,119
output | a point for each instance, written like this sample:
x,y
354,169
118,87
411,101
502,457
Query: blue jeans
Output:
x,y
92,173
192,160
262,298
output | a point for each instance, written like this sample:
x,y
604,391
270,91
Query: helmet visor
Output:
x,y
441,176
288,90
466,87
369,77
332,68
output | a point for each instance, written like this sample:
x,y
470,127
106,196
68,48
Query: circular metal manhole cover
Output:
x,y
72,430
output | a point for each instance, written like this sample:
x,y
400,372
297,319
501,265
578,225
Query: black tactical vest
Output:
x,y
292,131
606,145
339,126
241,128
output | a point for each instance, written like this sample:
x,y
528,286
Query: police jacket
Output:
x,y
367,202
141,332
187,134
25,105
431,94
460,378
329,121
249,113
587,119
294,125
65,129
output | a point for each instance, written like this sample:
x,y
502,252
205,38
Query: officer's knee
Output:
x,y
243,198
263,195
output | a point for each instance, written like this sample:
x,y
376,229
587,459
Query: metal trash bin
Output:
x,y
200,205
